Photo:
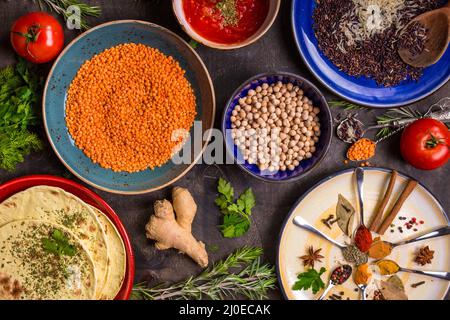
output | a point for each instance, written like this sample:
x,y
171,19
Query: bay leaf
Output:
x,y
391,291
345,215
396,282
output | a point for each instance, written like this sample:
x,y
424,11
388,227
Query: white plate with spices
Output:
x,y
320,202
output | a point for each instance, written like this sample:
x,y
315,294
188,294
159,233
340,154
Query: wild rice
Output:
x,y
361,37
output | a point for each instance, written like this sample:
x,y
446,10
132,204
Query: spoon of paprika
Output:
x,y
363,236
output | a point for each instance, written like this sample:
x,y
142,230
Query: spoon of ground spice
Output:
x,y
425,39
389,267
381,249
363,237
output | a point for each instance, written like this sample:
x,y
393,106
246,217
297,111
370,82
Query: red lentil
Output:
x,y
124,105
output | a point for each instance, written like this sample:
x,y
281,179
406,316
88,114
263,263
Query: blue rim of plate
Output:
x,y
87,180
403,94
326,179
231,148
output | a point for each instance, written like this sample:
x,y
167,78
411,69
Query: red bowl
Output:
x,y
16,185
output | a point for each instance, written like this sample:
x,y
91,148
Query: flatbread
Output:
x,y
116,257
39,273
57,206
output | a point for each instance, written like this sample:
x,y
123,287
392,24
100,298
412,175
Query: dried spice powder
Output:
x,y
361,37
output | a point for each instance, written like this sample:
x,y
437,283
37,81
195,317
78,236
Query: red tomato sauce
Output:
x,y
206,19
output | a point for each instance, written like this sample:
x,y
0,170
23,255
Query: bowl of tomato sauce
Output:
x,y
226,24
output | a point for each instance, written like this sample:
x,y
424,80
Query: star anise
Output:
x,y
311,257
424,256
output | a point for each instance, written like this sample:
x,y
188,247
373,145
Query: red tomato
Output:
x,y
38,37
425,144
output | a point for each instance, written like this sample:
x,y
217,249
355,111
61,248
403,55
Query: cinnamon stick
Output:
x,y
397,206
379,216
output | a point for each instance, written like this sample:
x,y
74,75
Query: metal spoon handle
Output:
x,y
429,235
327,289
435,274
360,185
302,223
363,293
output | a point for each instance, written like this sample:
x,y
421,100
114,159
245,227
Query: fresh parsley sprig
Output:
x,y
236,219
58,244
310,279
19,92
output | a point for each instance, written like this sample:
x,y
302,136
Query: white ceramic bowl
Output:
x,y
274,7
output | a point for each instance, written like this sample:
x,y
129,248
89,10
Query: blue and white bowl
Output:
x,y
318,100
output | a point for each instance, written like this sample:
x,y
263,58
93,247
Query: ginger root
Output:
x,y
175,232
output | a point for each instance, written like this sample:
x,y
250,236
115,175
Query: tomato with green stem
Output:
x,y
38,37
425,144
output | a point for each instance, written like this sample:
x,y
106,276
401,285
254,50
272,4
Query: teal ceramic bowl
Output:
x,y
63,72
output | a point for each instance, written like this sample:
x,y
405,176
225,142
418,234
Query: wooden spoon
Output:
x,y
437,23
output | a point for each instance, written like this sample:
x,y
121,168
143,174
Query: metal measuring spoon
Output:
x,y
439,232
434,274
363,288
359,173
345,272
351,129
302,223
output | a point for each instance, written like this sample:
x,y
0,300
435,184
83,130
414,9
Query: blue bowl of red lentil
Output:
x,y
65,69
361,89
290,147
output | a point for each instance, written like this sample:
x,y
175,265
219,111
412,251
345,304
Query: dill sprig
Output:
x,y
60,7
217,282
20,89
345,104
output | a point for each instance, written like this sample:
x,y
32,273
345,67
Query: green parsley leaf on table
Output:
x,y
19,92
58,244
310,279
236,219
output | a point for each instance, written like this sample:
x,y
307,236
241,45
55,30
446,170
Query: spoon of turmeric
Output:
x,y
389,267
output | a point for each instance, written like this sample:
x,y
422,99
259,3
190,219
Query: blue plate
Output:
x,y
64,70
322,146
360,90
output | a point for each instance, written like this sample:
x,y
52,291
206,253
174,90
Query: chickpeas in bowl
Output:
x,y
277,126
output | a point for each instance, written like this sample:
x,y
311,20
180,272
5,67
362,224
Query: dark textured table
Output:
x,y
276,51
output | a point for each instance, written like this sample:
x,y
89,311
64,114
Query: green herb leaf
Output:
x,y
194,44
234,225
213,248
247,201
345,104
58,244
19,91
310,279
60,7
236,220
241,274
225,189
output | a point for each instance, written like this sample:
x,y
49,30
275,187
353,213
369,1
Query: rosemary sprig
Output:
x,y
218,282
345,104
394,115
60,7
